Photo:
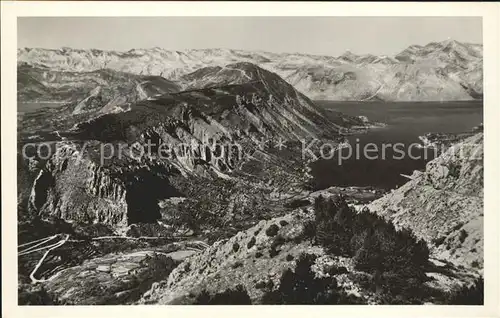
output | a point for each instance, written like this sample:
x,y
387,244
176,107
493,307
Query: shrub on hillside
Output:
x,y
308,231
302,287
157,267
272,230
236,296
251,243
283,223
397,257
454,170
236,247
297,203
439,241
463,235
35,295
468,295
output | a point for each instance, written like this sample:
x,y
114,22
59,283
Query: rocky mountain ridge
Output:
x,y
105,90
225,126
447,70
442,205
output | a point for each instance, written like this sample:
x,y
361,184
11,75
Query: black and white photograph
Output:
x,y
250,160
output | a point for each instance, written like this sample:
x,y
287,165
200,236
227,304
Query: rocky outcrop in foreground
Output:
x,y
249,259
269,260
444,204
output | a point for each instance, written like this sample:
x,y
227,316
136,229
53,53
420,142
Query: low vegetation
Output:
x,y
297,203
395,259
35,295
237,296
302,287
154,268
468,295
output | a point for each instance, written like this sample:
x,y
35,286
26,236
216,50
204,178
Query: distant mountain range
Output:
x,y
442,71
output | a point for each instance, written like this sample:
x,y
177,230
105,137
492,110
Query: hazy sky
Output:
x,y
315,35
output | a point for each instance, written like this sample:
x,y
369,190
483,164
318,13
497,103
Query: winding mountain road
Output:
x,y
49,248
49,244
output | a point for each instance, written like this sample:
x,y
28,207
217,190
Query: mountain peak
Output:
x,y
236,73
450,42
244,65
348,55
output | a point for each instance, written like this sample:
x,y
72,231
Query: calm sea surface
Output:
x,y
406,122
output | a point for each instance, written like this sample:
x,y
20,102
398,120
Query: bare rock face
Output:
x,y
75,187
444,204
78,190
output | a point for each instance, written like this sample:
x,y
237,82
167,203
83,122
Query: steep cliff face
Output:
x,y
444,204
447,70
79,190
74,186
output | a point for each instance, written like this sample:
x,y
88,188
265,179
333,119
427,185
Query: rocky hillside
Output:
x,y
448,70
240,100
88,91
253,260
444,204
224,127
286,260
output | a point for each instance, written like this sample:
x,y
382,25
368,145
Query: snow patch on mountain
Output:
x,y
448,70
